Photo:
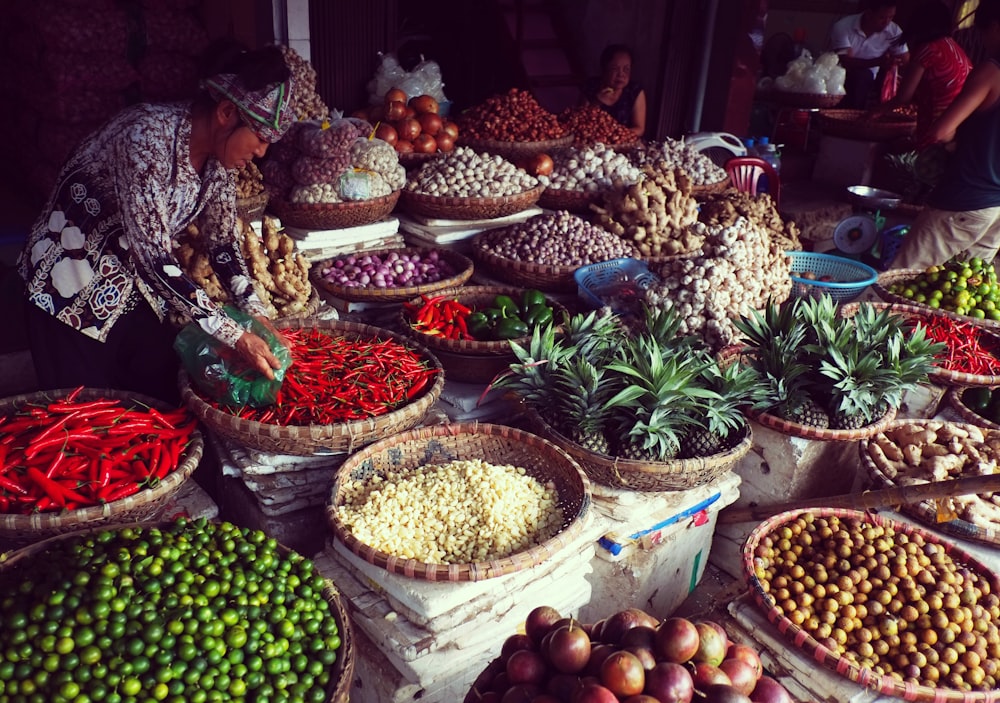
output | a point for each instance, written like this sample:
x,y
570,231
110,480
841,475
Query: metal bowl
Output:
x,y
873,198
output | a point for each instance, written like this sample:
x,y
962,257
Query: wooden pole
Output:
x,y
896,495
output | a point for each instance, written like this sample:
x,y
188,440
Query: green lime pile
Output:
x,y
189,613
966,287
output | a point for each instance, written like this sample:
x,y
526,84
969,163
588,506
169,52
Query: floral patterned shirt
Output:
x,y
105,240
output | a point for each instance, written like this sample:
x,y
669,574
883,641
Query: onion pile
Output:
x,y
590,124
393,270
555,239
514,116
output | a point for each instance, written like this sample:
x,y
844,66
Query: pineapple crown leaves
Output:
x,y
657,433
735,385
663,324
859,381
594,335
581,393
530,375
819,315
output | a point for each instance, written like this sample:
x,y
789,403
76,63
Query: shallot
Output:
x,y
387,270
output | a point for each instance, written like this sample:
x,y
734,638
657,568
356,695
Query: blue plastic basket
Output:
x,y
616,283
889,244
850,277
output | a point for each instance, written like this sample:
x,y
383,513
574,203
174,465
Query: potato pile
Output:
x,y
514,116
589,169
912,453
700,169
738,268
726,207
465,173
895,603
654,213
280,274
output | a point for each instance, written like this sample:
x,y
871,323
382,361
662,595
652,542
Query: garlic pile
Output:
x,y
699,168
739,268
466,173
306,102
725,207
590,169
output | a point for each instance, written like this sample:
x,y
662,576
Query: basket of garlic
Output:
x,y
459,502
468,185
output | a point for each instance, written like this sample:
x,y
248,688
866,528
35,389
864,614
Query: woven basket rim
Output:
x,y
477,571
354,213
306,440
572,200
169,485
822,433
410,196
473,348
842,113
253,201
342,668
954,398
887,278
841,665
945,376
804,100
925,511
662,476
347,205
462,264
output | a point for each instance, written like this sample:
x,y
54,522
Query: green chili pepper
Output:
x,y
506,305
538,315
511,328
532,297
492,314
478,325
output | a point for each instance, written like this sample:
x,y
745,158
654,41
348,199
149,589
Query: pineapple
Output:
x,y
855,372
724,417
660,401
581,391
530,377
595,335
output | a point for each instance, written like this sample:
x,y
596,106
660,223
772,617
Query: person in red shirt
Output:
x,y
936,72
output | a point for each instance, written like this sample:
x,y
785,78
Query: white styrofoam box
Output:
x,y
659,577
637,519
426,654
806,678
443,604
469,396
921,402
846,162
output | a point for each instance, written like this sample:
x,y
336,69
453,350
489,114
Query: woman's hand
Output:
x,y
257,353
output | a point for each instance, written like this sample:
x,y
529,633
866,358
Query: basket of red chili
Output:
x,y
83,457
971,355
349,384
470,328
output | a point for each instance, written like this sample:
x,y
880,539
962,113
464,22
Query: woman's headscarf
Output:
x,y
267,112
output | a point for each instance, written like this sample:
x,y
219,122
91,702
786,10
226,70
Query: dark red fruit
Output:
x,y
769,690
623,674
705,675
747,654
594,693
669,683
568,648
521,693
721,693
639,636
527,667
676,640
712,645
742,675
513,644
540,621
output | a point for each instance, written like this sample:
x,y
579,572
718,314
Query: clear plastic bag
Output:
x,y
219,373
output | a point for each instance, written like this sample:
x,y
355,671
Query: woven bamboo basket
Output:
x,y
926,511
342,670
453,208
577,201
312,306
521,273
706,188
461,265
881,288
413,159
515,151
856,124
806,101
796,429
353,213
468,360
144,505
957,403
305,440
919,313
863,676
496,444
673,475
253,207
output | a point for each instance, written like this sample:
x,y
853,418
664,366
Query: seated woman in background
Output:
x,y
934,76
615,91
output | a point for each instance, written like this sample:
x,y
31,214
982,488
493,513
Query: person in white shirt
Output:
x,y
867,43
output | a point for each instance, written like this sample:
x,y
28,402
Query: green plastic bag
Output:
x,y
219,373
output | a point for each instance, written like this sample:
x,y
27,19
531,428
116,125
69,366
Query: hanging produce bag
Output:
x,y
218,372
890,83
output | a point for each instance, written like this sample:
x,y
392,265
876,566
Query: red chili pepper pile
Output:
x,y
71,455
335,379
440,315
969,351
